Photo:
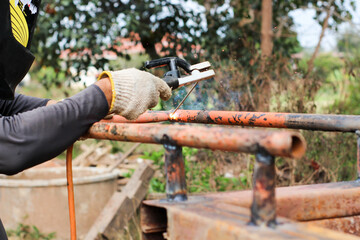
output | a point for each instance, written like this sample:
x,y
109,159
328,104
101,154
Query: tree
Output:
x,y
234,34
234,27
230,29
349,41
266,32
88,28
156,20
84,28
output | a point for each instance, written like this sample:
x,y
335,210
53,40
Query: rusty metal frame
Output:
x,y
301,210
311,204
314,122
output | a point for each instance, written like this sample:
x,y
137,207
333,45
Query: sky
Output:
x,y
309,30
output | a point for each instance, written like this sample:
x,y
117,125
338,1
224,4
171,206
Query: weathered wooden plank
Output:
x,y
122,205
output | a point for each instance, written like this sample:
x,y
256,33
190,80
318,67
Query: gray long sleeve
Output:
x,y
21,103
32,137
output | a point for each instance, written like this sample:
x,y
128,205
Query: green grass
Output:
x,y
26,232
202,172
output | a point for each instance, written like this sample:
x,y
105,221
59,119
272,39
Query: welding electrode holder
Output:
x,y
172,62
173,77
171,81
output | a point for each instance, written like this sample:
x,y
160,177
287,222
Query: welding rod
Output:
x,y
182,101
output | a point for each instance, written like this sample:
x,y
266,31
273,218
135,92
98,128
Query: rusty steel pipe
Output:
x,y
147,117
276,143
317,122
175,173
263,208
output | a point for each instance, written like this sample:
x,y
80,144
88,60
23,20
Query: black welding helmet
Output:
x,y
17,23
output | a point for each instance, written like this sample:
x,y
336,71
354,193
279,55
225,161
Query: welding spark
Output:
x,y
173,116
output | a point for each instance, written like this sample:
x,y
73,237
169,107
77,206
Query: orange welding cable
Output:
x,y
70,188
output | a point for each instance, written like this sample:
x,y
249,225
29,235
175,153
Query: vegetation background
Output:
x,y
259,65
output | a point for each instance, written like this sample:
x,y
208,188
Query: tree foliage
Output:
x,y
349,41
229,29
158,20
234,26
348,44
85,29
234,34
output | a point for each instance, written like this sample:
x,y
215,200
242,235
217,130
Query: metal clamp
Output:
x,y
173,78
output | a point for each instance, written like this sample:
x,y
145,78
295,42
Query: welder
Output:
x,y
34,130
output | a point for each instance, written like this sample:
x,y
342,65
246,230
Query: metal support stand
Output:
x,y
358,154
175,173
263,208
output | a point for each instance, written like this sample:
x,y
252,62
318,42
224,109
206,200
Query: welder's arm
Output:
x,y
21,103
32,137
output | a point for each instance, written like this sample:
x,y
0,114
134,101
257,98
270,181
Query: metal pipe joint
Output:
x,y
174,171
263,208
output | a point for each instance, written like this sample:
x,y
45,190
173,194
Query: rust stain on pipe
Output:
x,y
230,118
276,143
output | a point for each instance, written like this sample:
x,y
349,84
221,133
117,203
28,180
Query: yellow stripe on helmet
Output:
x,y
17,32
19,25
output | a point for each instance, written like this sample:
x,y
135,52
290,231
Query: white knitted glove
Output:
x,y
135,91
